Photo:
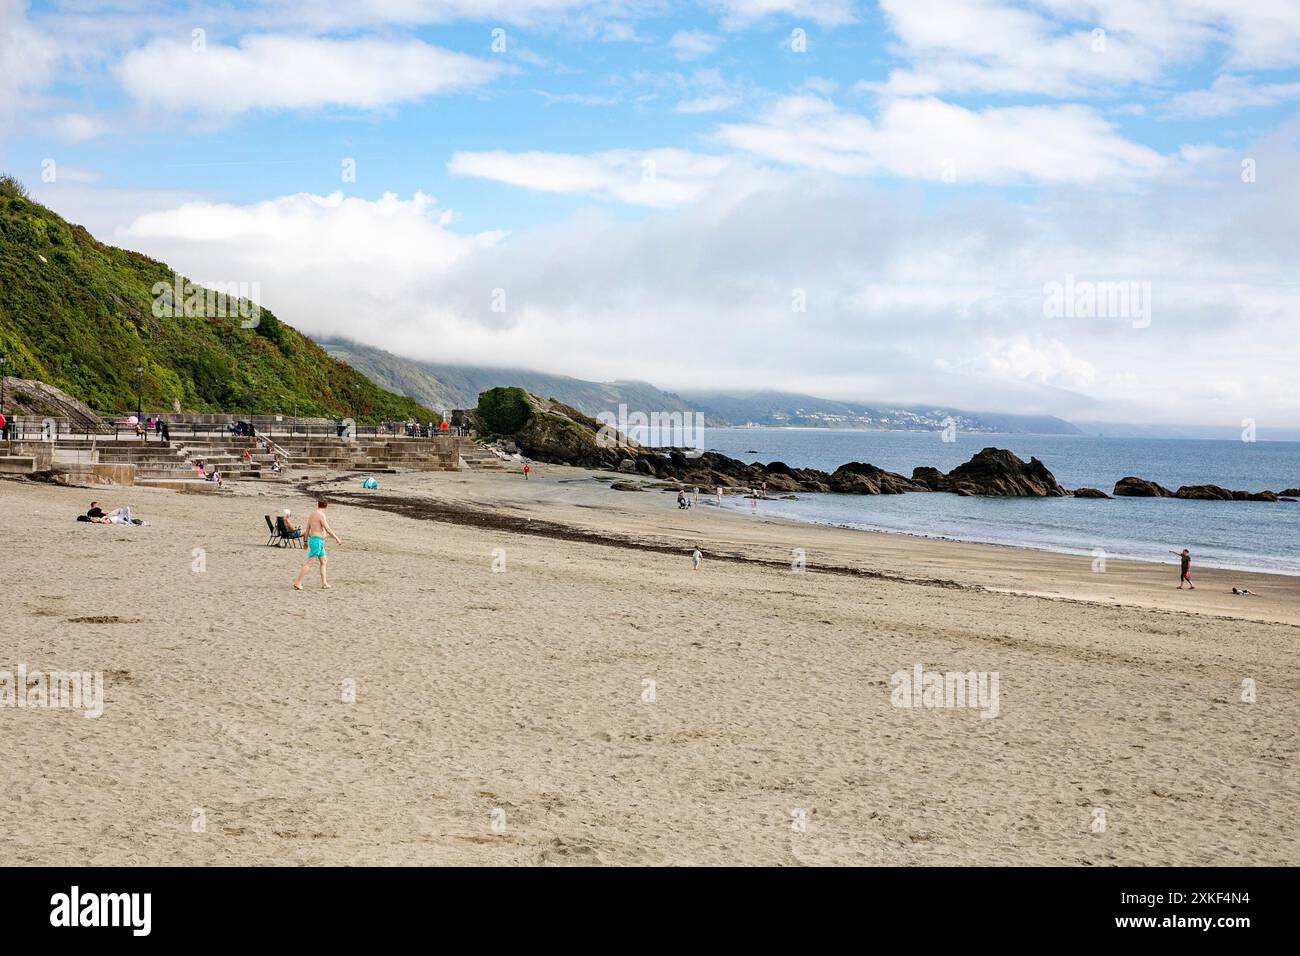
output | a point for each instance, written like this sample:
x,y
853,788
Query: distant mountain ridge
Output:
x,y
442,386
792,409
446,387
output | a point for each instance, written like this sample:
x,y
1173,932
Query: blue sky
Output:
x,y
655,185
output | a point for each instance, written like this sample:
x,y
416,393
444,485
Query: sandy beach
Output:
x,y
532,673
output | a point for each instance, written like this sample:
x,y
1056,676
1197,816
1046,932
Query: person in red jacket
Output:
x,y
527,470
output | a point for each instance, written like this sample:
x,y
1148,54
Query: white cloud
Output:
x,y
579,99
930,139
1038,359
76,174
707,104
286,72
76,127
1052,47
1230,94
373,13
692,44
738,14
658,178
985,45
27,57
330,264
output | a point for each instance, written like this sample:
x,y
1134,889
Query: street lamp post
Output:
x,y
4,361
139,395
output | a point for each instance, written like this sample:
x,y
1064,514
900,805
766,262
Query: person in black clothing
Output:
x,y
1185,570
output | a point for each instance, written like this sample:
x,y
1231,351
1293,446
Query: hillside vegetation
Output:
x,y
80,315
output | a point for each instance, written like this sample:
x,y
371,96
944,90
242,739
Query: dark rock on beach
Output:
x,y
1204,493
1132,487
1141,488
932,478
859,478
999,473
1090,493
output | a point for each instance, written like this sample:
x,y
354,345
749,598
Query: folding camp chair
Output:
x,y
291,538
275,532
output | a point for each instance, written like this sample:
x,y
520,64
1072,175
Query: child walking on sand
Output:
x,y
317,528
1184,574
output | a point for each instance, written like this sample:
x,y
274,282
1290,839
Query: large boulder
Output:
x,y
860,478
931,478
1132,487
1204,493
1090,493
997,472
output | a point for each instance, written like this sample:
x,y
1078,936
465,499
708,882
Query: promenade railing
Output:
x,y
53,429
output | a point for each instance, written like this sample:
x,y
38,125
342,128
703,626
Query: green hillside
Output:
x,y
81,316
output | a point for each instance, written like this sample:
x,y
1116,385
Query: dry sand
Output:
x,y
517,701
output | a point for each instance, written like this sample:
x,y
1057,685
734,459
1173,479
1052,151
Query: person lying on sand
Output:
x,y
97,515
1244,592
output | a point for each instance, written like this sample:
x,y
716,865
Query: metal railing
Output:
x,y
53,429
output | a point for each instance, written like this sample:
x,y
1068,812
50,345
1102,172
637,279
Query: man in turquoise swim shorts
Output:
x,y
317,528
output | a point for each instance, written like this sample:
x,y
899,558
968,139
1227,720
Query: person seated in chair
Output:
x,y
287,528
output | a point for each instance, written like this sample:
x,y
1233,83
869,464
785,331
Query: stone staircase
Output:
x,y
479,457
172,464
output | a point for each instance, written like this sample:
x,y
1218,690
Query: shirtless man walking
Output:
x,y
317,528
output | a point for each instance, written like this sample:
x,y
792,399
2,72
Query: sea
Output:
x,y
1243,535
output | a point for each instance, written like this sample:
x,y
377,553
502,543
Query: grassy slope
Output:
x,y
82,320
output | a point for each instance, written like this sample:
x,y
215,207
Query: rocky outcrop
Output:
x,y
997,472
931,478
1289,493
546,430
1132,487
27,396
858,478
1090,493
1141,488
1203,493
